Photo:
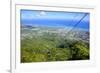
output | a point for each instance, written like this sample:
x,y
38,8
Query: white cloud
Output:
x,y
42,13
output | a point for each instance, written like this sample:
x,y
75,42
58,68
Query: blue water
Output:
x,y
55,19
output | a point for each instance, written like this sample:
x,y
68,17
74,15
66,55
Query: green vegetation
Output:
x,y
48,47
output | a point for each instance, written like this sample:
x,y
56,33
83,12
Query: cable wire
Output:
x,y
77,23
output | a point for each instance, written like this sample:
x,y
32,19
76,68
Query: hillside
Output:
x,y
42,44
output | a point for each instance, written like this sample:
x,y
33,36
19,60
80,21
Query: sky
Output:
x,y
55,19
